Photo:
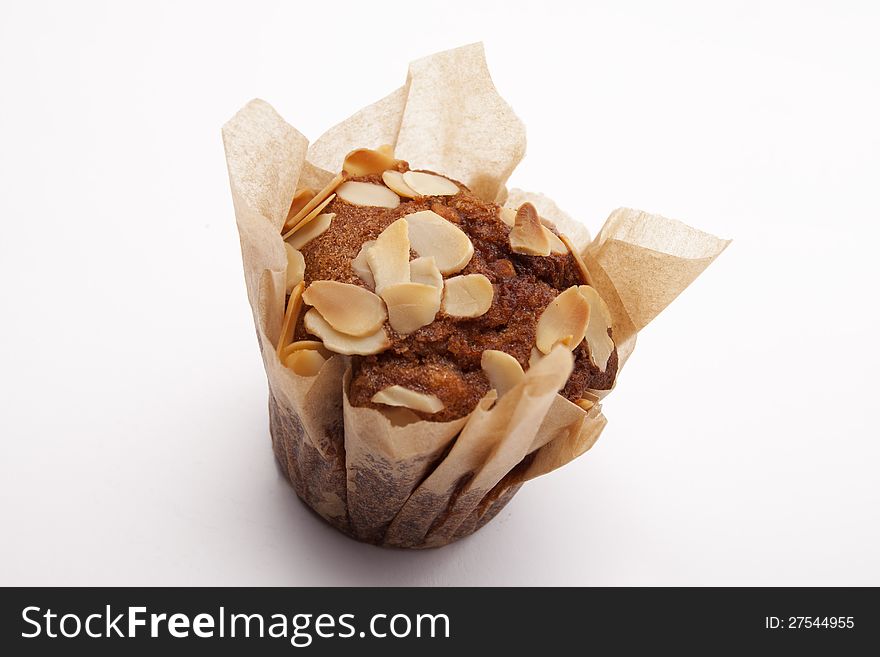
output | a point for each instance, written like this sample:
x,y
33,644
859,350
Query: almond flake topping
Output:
x,y
579,261
429,184
361,267
367,195
364,161
311,230
400,396
600,343
394,180
291,316
388,258
296,267
468,296
563,321
528,235
305,362
342,343
411,305
305,357
299,201
431,235
349,309
424,270
318,199
502,370
311,216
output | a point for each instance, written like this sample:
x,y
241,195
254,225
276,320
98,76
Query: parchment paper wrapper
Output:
x,y
373,475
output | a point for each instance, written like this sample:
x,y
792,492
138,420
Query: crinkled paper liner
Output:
x,y
426,484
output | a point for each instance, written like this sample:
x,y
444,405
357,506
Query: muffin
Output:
x,y
436,295
427,350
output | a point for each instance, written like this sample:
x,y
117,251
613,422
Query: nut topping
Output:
x,y
361,267
564,320
585,404
305,357
400,396
528,234
364,161
424,270
429,184
367,194
579,261
300,199
349,309
431,235
301,344
535,356
557,246
411,305
309,218
394,180
305,362
468,296
291,315
388,258
600,343
341,343
311,230
502,370
320,198
296,267
507,215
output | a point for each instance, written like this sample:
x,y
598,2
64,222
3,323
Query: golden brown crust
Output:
x,y
443,357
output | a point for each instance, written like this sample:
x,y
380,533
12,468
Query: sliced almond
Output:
x,y
528,235
468,296
563,321
507,215
429,184
557,246
388,258
585,404
394,180
367,195
341,343
305,362
502,370
424,270
579,261
291,315
305,221
317,199
600,343
296,267
361,267
411,306
300,199
348,308
311,230
400,396
364,161
431,235
535,356
312,345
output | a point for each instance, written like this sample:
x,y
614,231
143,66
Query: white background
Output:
x,y
742,444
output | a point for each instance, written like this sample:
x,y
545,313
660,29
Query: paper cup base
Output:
x,y
319,479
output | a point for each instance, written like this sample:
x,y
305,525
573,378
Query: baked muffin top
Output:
x,y
427,287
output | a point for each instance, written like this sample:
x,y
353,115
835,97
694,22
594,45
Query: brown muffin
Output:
x,y
442,359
